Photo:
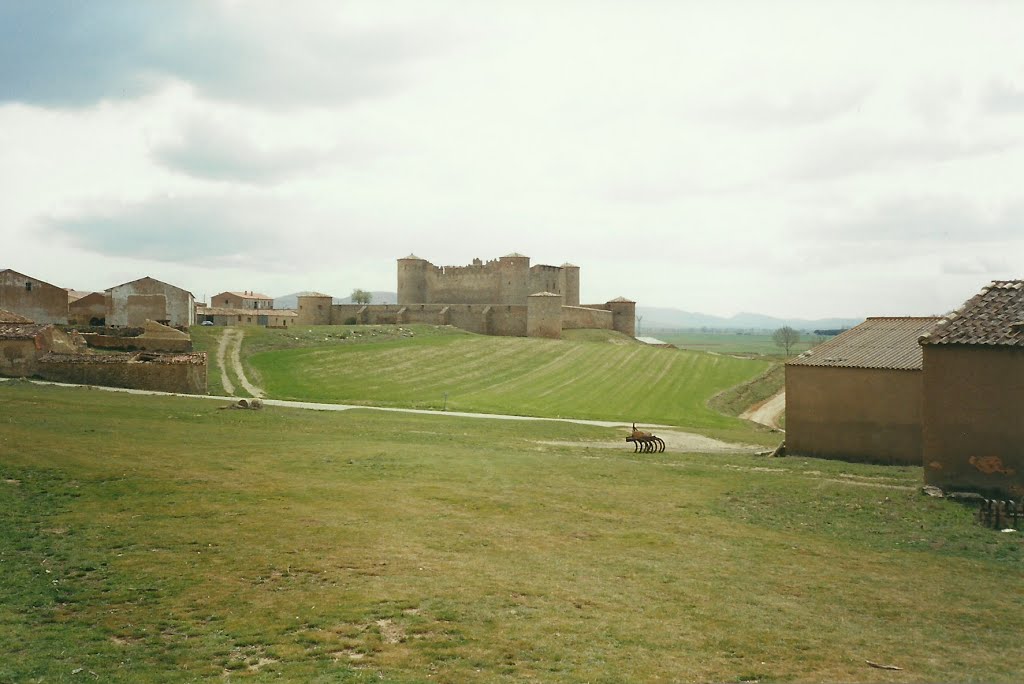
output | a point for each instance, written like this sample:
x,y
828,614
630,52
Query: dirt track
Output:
x,y
229,350
768,411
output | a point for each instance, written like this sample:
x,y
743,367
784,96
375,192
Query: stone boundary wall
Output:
x,y
179,373
177,346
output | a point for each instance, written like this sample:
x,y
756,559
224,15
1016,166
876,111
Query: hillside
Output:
x,y
609,379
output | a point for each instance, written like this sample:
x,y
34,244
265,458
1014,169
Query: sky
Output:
x,y
797,159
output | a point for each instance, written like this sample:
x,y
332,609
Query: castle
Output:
x,y
504,296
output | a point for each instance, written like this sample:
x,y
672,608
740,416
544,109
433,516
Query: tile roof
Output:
x,y
249,295
993,317
880,342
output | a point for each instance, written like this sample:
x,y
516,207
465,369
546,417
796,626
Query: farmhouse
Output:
x,y
132,304
270,318
857,397
33,298
973,409
242,300
505,296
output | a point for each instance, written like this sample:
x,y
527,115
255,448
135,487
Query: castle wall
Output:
x,y
574,317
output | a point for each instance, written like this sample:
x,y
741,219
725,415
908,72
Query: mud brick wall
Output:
x,y
179,373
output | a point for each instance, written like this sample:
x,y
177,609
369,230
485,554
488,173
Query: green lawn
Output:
x,y
610,379
162,539
747,344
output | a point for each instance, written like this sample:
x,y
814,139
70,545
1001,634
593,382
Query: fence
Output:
x,y
1001,514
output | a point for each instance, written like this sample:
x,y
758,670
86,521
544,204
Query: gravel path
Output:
x,y
768,411
675,440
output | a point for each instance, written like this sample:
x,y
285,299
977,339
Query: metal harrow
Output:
x,y
645,442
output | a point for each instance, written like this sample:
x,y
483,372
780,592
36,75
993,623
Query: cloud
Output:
x,y
802,108
65,53
931,221
179,230
1004,98
217,152
838,156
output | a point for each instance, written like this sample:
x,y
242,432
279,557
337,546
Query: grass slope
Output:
x,y
609,379
159,539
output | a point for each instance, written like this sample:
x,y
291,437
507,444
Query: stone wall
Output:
x,y
89,310
141,343
18,358
178,373
575,317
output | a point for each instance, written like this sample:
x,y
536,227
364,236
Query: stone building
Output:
x,y
857,397
973,411
132,304
241,300
33,298
505,296
268,318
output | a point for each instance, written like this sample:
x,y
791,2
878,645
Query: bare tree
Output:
x,y
785,337
639,320
361,296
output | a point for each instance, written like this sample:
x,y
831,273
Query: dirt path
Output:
x,y
768,411
229,350
674,441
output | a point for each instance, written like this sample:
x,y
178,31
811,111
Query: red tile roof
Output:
x,y
880,342
993,317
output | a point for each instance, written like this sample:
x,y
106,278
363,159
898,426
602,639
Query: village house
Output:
x,y
242,300
857,397
268,318
973,409
132,304
35,299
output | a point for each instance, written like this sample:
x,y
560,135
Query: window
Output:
x,y
28,287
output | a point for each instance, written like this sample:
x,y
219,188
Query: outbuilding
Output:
x,y
857,397
973,408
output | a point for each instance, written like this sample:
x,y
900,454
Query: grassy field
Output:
x,y
603,377
161,539
745,344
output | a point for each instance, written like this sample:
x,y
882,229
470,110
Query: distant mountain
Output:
x,y
676,319
291,301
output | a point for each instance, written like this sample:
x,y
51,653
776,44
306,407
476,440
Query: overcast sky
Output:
x,y
799,159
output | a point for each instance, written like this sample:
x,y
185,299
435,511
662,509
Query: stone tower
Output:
x,y
623,315
514,284
314,309
412,280
572,284
544,315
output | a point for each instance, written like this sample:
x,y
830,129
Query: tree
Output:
x,y
785,337
361,296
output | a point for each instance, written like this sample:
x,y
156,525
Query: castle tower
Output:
x,y
314,309
572,284
514,286
412,280
623,315
544,315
